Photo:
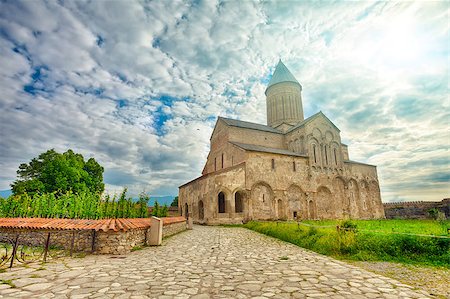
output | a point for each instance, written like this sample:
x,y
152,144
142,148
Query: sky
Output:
x,y
138,85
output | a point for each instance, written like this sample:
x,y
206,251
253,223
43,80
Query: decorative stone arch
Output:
x,y
302,144
317,133
222,196
239,197
354,198
340,197
262,201
291,145
296,201
295,146
336,158
314,150
325,203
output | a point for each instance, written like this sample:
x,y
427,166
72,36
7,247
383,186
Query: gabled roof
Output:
x,y
248,125
311,118
263,149
281,74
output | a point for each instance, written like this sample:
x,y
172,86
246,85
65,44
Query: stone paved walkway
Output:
x,y
207,262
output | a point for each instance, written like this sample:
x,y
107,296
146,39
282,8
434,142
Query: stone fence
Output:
x,y
106,236
415,209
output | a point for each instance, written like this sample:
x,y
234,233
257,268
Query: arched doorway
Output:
x,y
238,202
221,202
296,204
201,211
186,210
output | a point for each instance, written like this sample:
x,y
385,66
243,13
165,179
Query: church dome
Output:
x,y
282,74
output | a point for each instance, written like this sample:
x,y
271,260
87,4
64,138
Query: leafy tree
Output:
x,y
54,172
174,202
159,211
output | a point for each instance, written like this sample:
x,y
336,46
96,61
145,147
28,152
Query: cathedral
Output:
x,y
292,168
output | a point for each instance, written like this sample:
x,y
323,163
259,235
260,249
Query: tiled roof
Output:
x,y
258,148
249,125
120,224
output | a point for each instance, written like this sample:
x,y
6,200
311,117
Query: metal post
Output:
x,y
47,243
14,251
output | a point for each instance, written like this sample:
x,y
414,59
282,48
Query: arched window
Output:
x,y
222,160
314,153
221,202
335,157
238,207
326,156
215,164
273,164
293,166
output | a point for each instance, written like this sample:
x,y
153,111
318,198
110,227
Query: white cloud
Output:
x,y
378,70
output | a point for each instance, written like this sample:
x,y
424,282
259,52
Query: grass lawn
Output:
x,y
373,240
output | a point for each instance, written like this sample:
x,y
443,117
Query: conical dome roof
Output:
x,y
282,74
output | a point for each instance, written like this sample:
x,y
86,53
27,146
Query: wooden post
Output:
x,y
47,243
155,231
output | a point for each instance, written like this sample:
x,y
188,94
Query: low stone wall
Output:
x,y
82,240
109,242
173,228
120,242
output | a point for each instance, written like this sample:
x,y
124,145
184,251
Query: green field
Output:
x,y
372,240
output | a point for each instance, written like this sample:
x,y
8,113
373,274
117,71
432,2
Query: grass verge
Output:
x,y
363,245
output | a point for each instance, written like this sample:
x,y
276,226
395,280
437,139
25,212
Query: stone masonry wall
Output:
x,y
174,228
109,242
416,210
60,239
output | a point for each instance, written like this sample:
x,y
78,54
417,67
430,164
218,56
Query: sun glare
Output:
x,y
390,45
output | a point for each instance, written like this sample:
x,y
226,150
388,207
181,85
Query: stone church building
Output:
x,y
291,168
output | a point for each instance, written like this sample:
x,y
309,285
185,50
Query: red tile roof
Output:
x,y
172,220
121,224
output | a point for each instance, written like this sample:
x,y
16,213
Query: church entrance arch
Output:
x,y
201,210
221,202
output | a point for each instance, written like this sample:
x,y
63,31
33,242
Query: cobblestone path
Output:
x,y
207,262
